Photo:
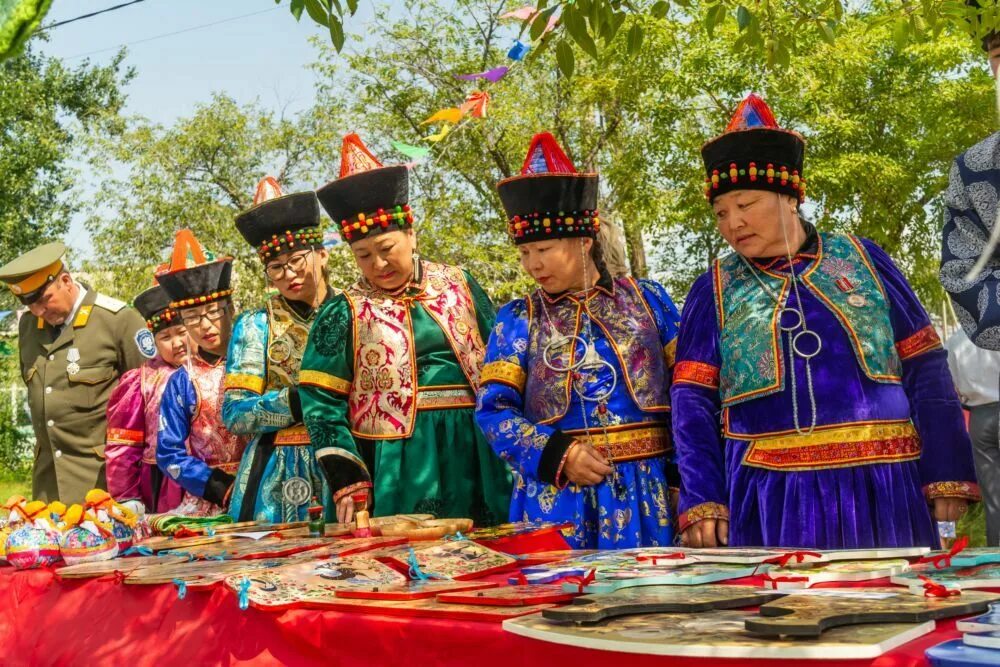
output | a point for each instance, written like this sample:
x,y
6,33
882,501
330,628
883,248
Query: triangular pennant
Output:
x,y
475,104
355,157
452,115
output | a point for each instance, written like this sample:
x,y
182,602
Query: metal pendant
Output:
x,y
72,368
857,300
296,491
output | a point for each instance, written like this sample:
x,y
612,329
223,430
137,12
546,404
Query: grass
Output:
x,y
10,487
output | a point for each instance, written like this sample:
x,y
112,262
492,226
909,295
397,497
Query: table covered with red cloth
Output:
x,y
96,622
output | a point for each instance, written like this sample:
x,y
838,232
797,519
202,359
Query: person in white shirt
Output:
x,y
976,372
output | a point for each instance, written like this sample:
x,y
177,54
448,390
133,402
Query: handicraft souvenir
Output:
x,y
510,596
988,622
956,653
124,566
606,580
716,635
412,590
807,616
311,583
979,576
658,599
460,559
200,573
783,578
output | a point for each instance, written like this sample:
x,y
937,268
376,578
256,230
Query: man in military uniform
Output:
x,y
74,345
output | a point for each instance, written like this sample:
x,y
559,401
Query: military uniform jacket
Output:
x,y
69,378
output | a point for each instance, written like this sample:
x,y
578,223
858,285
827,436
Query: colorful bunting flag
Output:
x,y
452,115
445,129
492,75
518,51
522,14
475,104
414,152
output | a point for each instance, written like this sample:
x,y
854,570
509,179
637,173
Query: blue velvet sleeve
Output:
x,y
500,405
177,407
249,408
946,465
696,410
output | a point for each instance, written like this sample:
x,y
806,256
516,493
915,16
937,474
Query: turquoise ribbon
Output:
x,y
243,593
182,588
142,551
415,570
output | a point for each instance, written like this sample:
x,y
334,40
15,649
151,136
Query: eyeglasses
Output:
x,y
212,315
296,263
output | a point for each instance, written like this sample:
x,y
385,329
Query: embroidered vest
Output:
x,y
286,341
209,440
752,348
152,379
382,402
630,330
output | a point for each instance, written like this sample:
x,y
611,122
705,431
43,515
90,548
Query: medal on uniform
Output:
x,y
856,300
296,491
73,356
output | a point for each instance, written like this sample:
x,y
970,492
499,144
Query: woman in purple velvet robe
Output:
x,y
812,401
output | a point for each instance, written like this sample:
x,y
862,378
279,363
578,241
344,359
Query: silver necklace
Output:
x,y
794,339
590,359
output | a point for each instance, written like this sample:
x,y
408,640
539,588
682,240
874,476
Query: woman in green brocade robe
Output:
x,y
389,375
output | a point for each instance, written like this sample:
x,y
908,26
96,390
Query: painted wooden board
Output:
x,y
684,556
717,634
199,573
658,599
267,547
331,530
988,622
426,608
971,556
540,557
955,653
511,596
829,556
460,559
809,616
990,640
978,576
790,578
164,543
303,583
122,565
615,578
412,590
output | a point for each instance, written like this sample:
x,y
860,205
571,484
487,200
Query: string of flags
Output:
x,y
451,119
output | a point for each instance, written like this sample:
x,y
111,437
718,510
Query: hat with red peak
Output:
x,y
754,153
367,198
549,199
195,276
279,223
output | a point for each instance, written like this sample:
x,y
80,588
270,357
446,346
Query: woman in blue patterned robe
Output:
x,y
585,421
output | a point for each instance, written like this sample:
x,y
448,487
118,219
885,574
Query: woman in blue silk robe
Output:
x,y
279,474
589,444
812,401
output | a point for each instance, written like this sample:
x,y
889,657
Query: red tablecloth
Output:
x,y
45,621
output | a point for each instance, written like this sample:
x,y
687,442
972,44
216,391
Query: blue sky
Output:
x,y
255,51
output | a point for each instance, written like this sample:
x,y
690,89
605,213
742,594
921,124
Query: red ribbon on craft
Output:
x,y
935,590
679,555
185,532
582,582
937,561
521,579
784,559
774,581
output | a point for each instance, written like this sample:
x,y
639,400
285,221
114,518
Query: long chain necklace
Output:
x,y
795,348
589,360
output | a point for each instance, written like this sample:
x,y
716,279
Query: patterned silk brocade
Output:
x,y
836,447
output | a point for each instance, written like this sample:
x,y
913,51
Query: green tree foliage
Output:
x,y
46,111
198,174
882,122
